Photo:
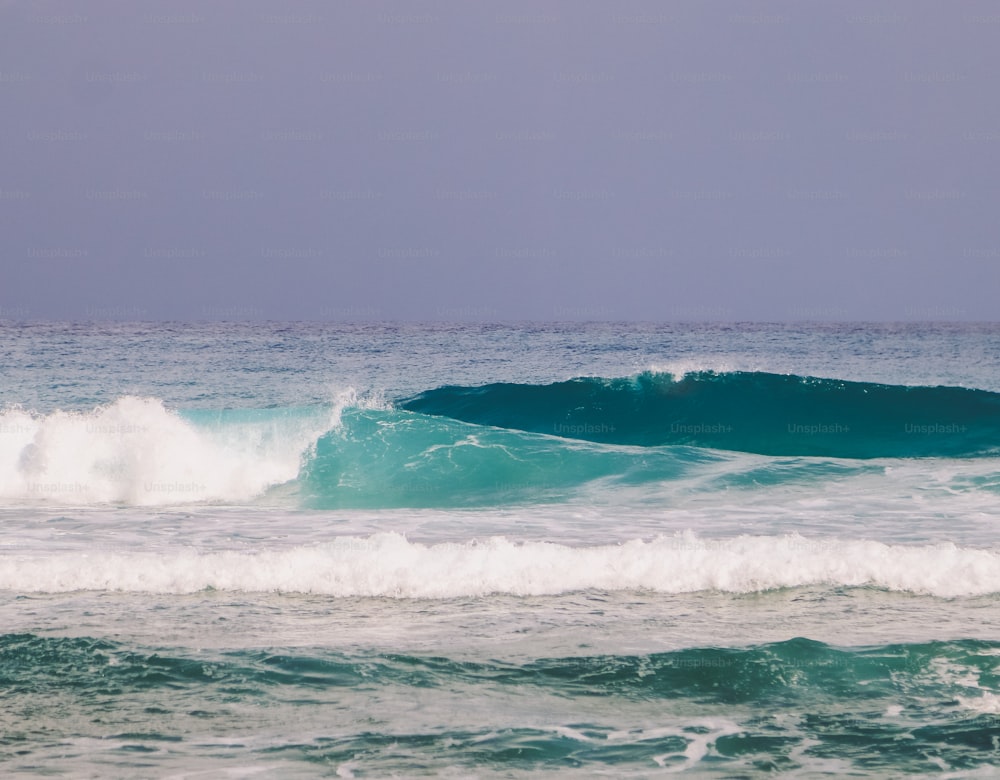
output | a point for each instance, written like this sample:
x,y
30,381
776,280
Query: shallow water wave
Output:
x,y
796,705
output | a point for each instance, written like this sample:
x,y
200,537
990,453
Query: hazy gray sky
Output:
x,y
499,160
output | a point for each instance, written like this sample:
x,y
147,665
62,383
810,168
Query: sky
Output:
x,y
499,161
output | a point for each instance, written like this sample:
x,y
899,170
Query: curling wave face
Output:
x,y
770,414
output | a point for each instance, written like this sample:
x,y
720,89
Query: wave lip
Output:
x,y
388,565
764,413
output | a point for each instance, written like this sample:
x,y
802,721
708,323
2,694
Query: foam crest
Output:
x,y
135,451
388,565
349,398
680,368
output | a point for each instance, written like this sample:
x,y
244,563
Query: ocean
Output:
x,y
469,550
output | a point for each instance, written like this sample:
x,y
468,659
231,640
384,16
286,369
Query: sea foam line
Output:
x,y
388,565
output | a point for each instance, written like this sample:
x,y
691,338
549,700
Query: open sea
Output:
x,y
302,550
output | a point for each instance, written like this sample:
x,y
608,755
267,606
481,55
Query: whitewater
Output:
x,y
496,550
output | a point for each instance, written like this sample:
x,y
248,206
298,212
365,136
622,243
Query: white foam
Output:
x,y
698,745
680,368
986,704
135,451
388,565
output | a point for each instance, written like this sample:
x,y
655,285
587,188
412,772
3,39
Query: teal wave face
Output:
x,y
763,413
900,709
389,458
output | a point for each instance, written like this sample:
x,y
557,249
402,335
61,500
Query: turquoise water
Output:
x,y
749,411
312,550
765,708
